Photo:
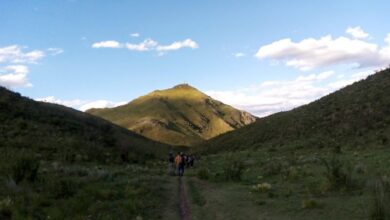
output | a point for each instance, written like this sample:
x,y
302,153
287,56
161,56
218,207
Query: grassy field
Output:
x,y
39,189
292,184
263,184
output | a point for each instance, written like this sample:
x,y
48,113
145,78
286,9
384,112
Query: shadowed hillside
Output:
x,y
357,116
56,131
181,115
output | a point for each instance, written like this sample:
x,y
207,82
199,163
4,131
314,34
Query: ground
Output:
x,y
254,184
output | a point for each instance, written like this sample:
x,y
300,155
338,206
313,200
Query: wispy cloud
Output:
x,y
15,54
239,55
178,45
135,35
107,44
148,45
81,105
55,51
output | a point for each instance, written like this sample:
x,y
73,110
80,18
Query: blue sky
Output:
x,y
261,56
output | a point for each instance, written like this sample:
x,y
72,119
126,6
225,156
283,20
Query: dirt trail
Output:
x,y
185,211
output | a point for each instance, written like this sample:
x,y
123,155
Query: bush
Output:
x,y
25,168
310,204
6,208
232,170
203,173
64,188
338,175
272,168
290,173
262,187
381,198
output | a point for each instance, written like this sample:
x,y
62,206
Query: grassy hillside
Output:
x,y
59,163
54,131
181,115
357,116
329,159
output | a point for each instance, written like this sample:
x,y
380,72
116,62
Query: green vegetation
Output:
x,y
59,163
83,191
357,117
381,197
54,131
296,183
181,115
326,160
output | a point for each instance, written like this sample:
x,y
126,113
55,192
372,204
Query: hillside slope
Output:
x,y
52,130
355,116
181,115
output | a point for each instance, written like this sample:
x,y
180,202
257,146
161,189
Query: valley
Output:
x,y
325,160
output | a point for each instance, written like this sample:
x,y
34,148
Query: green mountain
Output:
x,y
181,115
55,131
355,116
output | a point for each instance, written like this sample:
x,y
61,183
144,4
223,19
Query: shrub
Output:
x,y
338,175
310,204
25,168
381,198
6,208
64,188
290,173
262,187
360,168
232,170
203,173
272,168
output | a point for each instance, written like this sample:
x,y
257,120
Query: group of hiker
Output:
x,y
178,163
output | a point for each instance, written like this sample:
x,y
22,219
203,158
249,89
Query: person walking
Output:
x,y
179,161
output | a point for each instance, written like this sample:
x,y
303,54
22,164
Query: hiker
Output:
x,y
187,161
191,161
171,165
179,161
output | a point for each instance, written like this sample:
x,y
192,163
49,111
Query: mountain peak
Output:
x,y
181,115
183,86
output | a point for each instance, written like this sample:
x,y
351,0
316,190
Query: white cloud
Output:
x,y
178,45
14,75
82,105
135,35
342,81
55,51
238,55
326,51
100,104
107,44
17,69
357,32
70,103
14,60
274,96
387,39
15,54
147,44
